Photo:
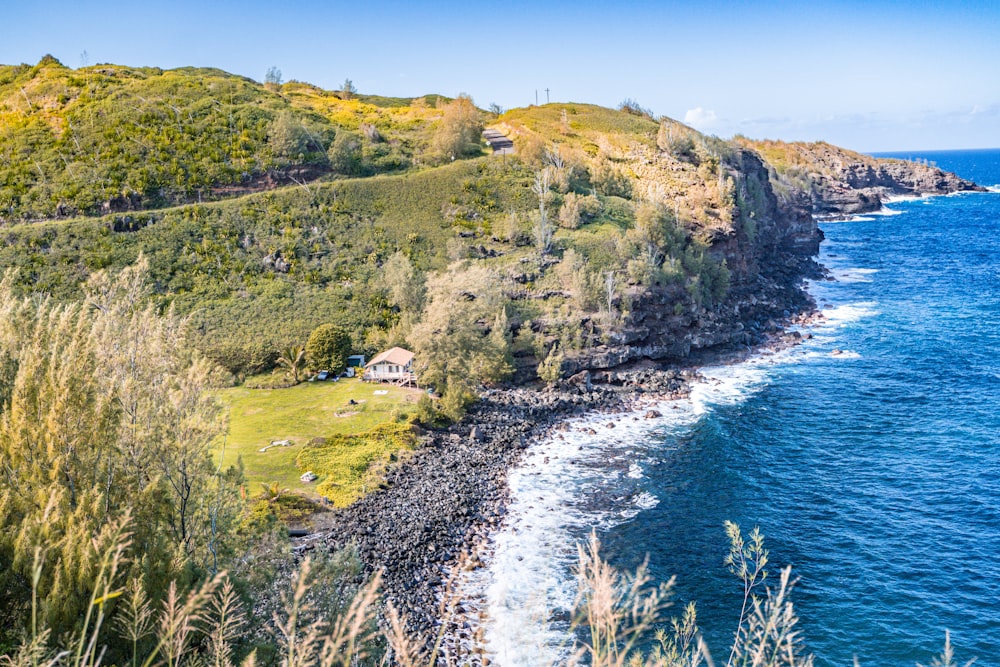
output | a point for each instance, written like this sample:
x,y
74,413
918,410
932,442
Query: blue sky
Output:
x,y
873,76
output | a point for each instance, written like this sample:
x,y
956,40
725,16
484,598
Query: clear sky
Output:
x,y
869,75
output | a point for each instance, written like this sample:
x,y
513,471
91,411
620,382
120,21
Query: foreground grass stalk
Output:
x,y
615,621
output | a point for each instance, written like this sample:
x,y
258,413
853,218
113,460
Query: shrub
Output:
x,y
426,413
328,348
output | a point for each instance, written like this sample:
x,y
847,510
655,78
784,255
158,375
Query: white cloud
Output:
x,y
700,118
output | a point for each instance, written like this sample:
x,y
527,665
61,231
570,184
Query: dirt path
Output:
x,y
500,144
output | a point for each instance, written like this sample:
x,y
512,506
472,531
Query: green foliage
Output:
x,y
328,348
350,465
108,138
108,418
261,272
345,154
460,131
578,209
550,370
426,413
453,341
293,358
290,138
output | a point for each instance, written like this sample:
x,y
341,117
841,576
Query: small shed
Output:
x,y
356,361
394,365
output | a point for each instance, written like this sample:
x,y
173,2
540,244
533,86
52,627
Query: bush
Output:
x,y
328,348
427,413
345,154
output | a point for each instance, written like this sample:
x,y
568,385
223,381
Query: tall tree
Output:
x,y
456,347
293,357
328,348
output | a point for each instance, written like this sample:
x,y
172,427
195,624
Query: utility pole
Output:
x,y
546,95
536,97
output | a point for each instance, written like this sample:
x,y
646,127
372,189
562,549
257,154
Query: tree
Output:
x,y
550,369
293,358
287,137
347,91
345,154
328,348
460,132
455,347
108,415
404,283
272,79
543,227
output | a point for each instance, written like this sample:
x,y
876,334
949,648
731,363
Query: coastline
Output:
x,y
452,495
448,499
570,441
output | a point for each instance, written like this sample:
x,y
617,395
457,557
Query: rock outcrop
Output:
x,y
766,261
839,182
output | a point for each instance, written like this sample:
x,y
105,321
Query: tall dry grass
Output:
x,y
619,621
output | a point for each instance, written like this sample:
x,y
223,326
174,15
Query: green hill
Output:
x,y
608,237
109,138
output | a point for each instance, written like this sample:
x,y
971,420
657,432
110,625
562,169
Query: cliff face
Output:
x,y
768,251
840,182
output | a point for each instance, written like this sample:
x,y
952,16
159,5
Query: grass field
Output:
x,y
308,410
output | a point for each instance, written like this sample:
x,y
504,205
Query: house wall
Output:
x,y
387,371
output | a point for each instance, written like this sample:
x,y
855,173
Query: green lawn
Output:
x,y
300,413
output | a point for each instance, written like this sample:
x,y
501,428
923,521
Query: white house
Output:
x,y
395,365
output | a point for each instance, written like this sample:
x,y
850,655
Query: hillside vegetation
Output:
x,y
608,237
166,234
110,138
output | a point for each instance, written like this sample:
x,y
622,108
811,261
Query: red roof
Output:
x,y
396,355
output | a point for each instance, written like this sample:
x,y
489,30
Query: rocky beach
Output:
x,y
443,503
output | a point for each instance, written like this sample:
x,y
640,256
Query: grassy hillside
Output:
x,y
597,209
110,138
261,271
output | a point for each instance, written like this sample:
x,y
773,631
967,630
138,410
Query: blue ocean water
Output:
x,y
875,473
869,456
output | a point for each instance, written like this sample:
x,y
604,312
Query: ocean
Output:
x,y
869,456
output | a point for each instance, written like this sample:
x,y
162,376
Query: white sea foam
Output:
x,y
893,199
853,275
886,211
591,476
848,313
568,483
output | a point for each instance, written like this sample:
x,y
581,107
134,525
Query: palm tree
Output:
x,y
293,357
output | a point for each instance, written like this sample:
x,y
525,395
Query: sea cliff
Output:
x,y
452,494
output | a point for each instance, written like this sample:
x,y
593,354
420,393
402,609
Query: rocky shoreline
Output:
x,y
451,494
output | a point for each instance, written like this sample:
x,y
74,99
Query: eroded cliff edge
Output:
x,y
769,251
